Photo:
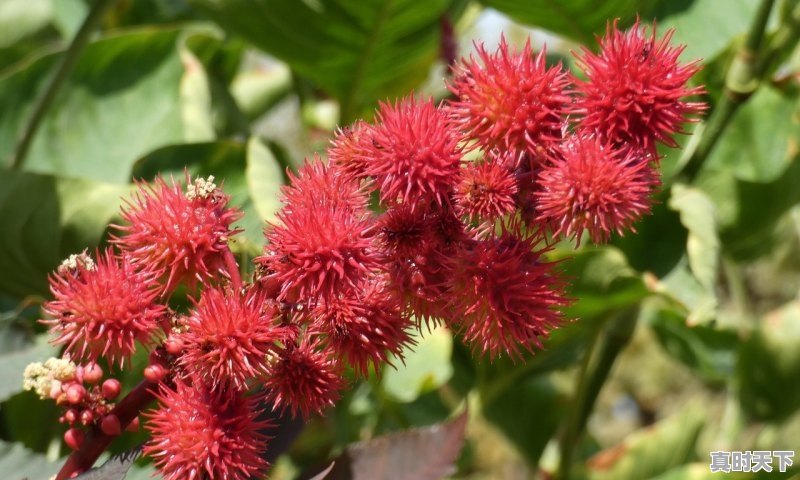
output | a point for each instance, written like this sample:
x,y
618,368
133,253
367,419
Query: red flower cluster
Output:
x,y
340,285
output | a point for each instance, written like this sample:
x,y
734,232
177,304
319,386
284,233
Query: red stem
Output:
x,y
233,269
96,441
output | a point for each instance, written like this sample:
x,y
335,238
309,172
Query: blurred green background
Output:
x,y
686,335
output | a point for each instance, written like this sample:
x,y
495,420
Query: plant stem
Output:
x,y
593,374
233,269
741,81
62,72
96,441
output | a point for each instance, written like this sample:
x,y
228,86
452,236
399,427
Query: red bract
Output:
x,y
510,100
633,92
229,336
180,234
364,326
197,434
412,152
102,309
505,297
304,379
317,185
314,252
592,186
487,190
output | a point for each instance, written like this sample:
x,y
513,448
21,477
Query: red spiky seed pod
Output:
x,y
504,296
315,252
304,379
591,186
634,90
364,325
228,337
346,151
487,190
180,234
197,433
510,100
102,311
413,153
318,184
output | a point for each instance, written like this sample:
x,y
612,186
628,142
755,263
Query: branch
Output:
x,y
590,381
96,441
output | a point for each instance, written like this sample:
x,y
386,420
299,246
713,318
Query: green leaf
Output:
x,y
24,26
576,19
121,101
691,20
18,462
14,363
358,52
425,368
749,211
709,351
682,287
769,365
45,219
264,179
652,451
601,281
702,245
528,413
761,140
659,242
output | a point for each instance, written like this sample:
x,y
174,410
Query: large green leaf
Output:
x,y
692,19
702,245
761,140
44,220
16,462
425,368
528,413
357,51
14,363
769,366
748,211
652,451
120,102
601,280
709,351
24,26
576,19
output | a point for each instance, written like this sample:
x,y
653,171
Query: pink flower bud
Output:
x,y
73,438
110,425
92,373
87,417
75,393
111,388
155,372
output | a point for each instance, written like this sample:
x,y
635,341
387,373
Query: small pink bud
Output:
x,y
73,438
87,417
133,426
173,345
70,416
155,372
110,425
111,388
75,393
92,373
